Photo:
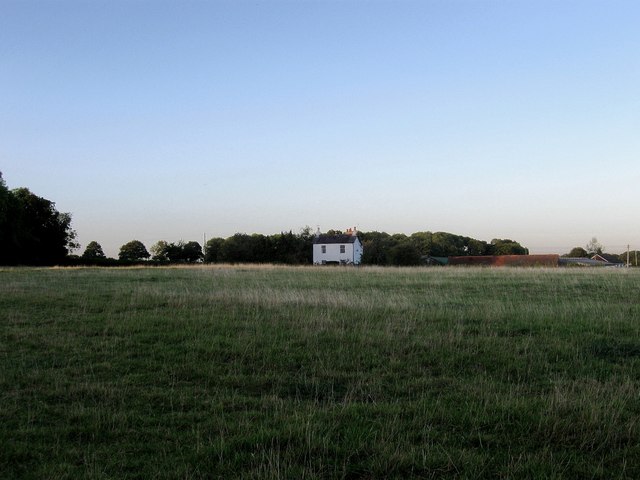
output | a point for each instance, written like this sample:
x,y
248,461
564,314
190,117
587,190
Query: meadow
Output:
x,y
309,373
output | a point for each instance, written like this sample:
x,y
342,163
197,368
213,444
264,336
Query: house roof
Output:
x,y
343,238
580,261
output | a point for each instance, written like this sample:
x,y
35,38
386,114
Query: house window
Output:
x,y
324,248
342,249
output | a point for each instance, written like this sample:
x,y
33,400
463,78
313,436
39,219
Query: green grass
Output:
x,y
254,372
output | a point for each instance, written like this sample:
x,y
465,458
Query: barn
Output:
x,y
344,248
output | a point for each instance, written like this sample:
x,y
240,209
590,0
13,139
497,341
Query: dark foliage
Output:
x,y
181,252
93,253
380,248
133,251
285,248
507,247
577,252
32,231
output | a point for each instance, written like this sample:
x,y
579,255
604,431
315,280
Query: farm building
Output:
x,y
343,248
608,260
579,262
507,260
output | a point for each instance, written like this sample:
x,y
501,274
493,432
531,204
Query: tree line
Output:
x,y
33,232
594,247
380,248
285,248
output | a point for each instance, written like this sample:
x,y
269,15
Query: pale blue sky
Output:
x,y
167,120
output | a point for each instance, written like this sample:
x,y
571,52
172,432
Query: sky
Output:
x,y
176,120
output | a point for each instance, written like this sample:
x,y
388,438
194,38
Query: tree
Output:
x,y
404,251
376,246
304,245
8,210
506,247
180,252
446,244
174,252
93,252
286,248
159,251
422,241
240,248
214,249
34,232
133,251
192,252
577,252
594,247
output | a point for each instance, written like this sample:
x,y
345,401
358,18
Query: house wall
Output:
x,y
357,252
333,254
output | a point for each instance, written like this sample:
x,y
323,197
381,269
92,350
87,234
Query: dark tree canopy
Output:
x,y
242,248
376,248
507,247
93,251
577,252
192,252
380,248
284,247
181,252
133,251
403,251
32,231
213,250
8,212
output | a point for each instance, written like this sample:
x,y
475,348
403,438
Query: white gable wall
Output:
x,y
357,252
352,253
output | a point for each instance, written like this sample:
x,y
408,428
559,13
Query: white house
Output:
x,y
344,248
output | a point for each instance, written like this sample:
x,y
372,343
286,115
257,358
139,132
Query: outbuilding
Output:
x,y
608,260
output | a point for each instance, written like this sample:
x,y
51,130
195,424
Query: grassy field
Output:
x,y
276,372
